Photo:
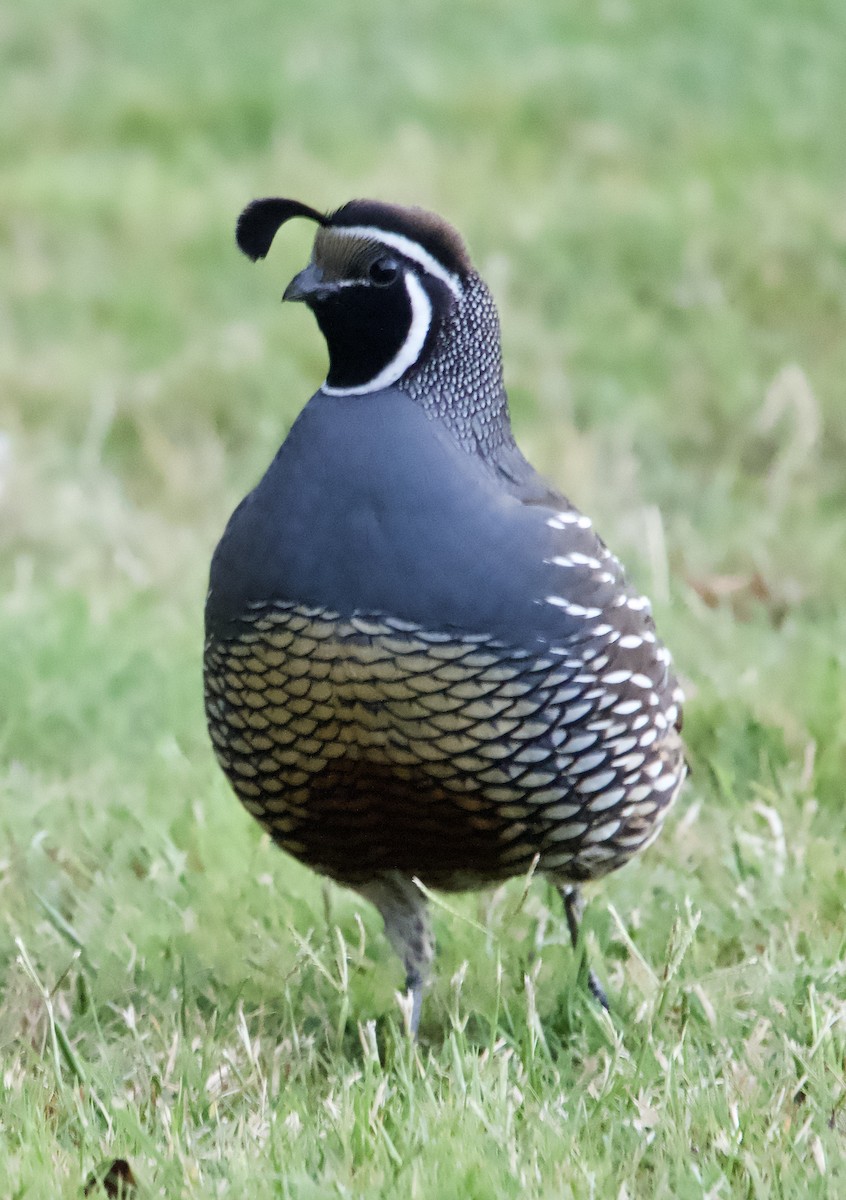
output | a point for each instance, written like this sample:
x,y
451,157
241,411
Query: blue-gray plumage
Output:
x,y
370,506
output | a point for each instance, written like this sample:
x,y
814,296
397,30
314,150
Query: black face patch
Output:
x,y
365,327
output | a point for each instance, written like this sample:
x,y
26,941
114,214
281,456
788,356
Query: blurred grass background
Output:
x,y
657,196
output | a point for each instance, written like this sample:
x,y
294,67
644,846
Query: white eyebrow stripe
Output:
x,y
405,246
409,351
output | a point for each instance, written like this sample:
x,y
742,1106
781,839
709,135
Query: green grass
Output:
x,y
656,195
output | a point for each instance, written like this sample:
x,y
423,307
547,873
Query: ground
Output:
x,y
656,195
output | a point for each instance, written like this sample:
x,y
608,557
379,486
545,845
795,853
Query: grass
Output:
x,y
656,196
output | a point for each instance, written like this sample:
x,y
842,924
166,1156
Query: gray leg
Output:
x,y
404,911
573,908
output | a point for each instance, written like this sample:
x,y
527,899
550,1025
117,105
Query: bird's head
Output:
x,y
383,282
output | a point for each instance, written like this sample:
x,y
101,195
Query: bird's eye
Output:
x,y
383,271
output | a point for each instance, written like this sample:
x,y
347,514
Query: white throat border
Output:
x,y
409,351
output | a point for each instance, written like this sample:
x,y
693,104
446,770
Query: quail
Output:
x,y
422,665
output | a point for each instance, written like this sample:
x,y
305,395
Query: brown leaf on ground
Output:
x,y
743,593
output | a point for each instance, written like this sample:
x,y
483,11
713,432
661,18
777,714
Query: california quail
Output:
x,y
421,662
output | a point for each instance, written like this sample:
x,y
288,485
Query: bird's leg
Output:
x,y
406,917
573,908
414,988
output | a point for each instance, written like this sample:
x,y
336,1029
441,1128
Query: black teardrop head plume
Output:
x,y
259,221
